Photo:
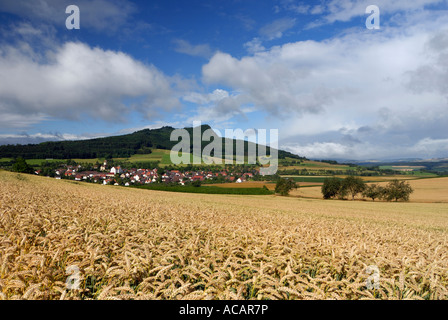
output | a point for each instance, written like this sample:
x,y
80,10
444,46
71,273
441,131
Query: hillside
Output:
x,y
123,146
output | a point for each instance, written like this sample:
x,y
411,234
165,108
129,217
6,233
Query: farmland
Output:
x,y
146,244
310,165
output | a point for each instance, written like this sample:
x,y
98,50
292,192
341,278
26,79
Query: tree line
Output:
x,y
351,186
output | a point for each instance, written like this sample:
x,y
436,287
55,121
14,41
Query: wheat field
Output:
x,y
141,244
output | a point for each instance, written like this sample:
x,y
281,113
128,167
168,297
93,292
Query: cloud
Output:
x,y
201,98
276,28
199,50
247,22
389,85
270,81
217,107
329,12
12,119
431,147
358,69
35,138
390,134
425,148
301,8
98,15
254,46
73,81
319,150
433,75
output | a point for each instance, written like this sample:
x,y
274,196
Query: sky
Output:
x,y
333,88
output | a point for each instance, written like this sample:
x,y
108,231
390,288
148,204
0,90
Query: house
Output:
x,y
116,170
104,166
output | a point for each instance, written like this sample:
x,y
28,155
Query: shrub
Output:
x,y
20,165
196,183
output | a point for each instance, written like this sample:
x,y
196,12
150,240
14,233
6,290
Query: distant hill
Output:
x,y
139,142
439,166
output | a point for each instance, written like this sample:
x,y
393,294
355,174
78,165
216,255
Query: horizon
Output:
x,y
333,88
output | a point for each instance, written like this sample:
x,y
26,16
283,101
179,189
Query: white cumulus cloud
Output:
x,y
74,80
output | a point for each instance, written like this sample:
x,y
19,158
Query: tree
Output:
x,y
21,166
331,187
343,192
354,185
284,186
373,191
397,190
48,172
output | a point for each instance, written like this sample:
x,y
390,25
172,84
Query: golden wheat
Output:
x,y
140,244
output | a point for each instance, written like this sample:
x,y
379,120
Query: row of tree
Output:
x,y
352,186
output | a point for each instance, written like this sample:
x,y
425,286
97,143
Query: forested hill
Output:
x,y
139,142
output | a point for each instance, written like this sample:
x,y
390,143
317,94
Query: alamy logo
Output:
x,y
74,280
373,281
373,21
73,20
212,153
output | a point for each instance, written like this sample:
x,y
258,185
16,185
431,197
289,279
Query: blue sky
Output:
x,y
312,70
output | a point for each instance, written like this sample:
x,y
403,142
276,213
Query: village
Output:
x,y
116,175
